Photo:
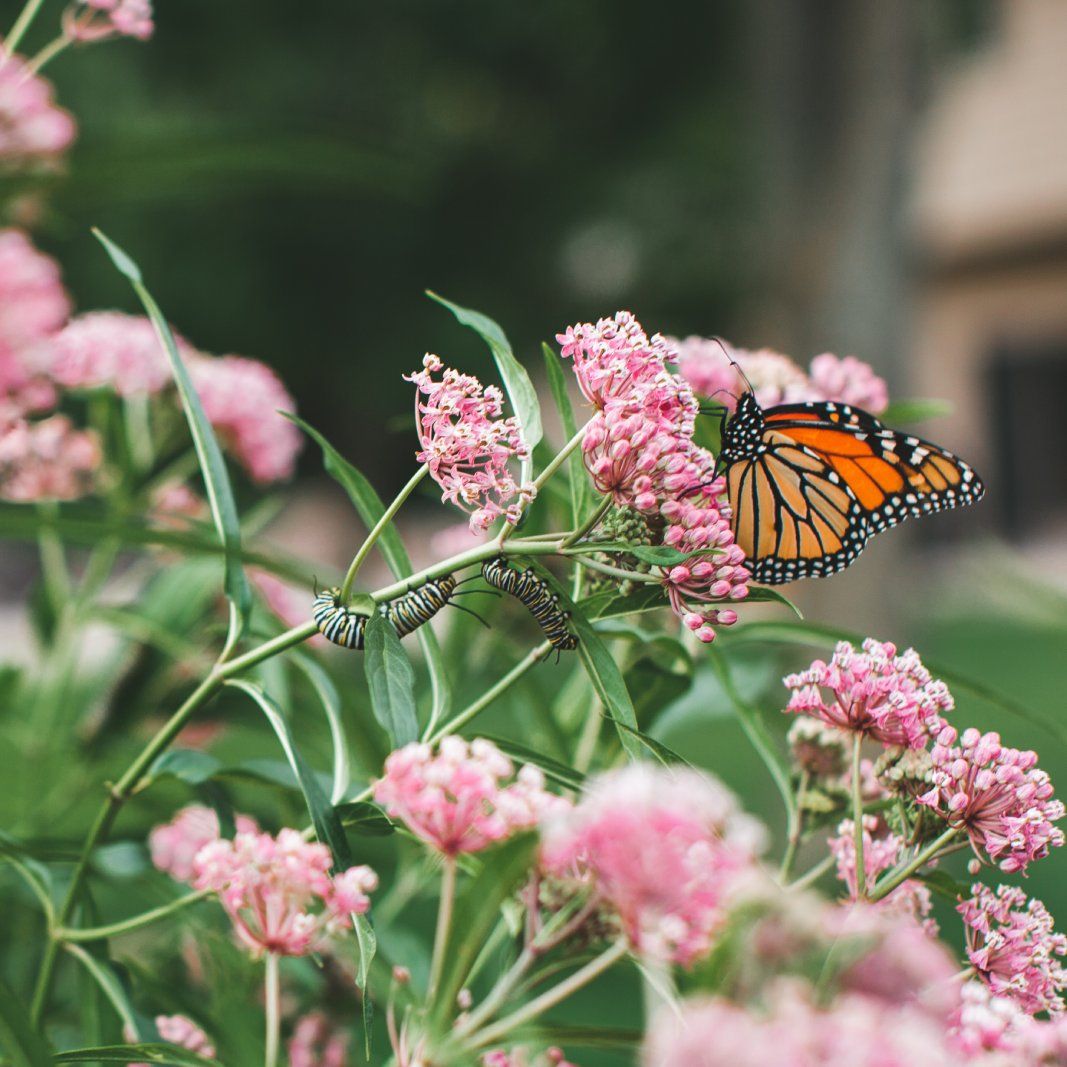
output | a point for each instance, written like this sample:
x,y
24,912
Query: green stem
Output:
x,y
616,572
498,994
54,572
18,31
48,53
387,517
551,997
444,924
857,819
812,876
796,828
589,523
146,918
890,882
108,987
272,991
534,656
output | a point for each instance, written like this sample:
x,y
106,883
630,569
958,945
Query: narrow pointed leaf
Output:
x,y
391,680
581,490
561,773
154,1052
328,696
208,453
365,818
20,1042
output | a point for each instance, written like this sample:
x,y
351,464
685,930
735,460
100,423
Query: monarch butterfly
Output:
x,y
810,484
347,628
536,595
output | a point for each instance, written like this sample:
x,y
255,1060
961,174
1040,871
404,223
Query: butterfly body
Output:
x,y
810,484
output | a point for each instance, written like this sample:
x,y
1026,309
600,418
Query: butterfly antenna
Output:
x,y
726,351
460,607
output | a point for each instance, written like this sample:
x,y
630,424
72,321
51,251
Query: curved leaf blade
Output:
x,y
391,680
152,1052
330,699
20,1041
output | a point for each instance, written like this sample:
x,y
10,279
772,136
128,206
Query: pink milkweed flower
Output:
x,y
279,893
1013,945
242,398
517,1057
181,1031
465,797
985,1022
112,350
853,1031
174,845
33,130
33,305
468,445
664,849
847,380
46,460
96,20
888,697
996,795
774,378
317,1043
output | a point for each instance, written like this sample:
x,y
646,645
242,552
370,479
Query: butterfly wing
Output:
x,y
827,479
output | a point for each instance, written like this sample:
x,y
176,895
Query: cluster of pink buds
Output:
x,y
96,20
464,797
279,892
46,460
996,795
317,1043
664,849
468,445
174,845
33,130
847,380
1014,948
887,697
518,1057
181,1031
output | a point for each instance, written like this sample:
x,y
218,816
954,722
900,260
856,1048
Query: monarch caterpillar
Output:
x,y
536,595
348,629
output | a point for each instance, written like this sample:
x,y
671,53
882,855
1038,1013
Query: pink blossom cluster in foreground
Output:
x,y
468,444
888,697
463,797
174,845
639,450
181,1031
776,379
519,1057
96,20
1013,945
664,849
34,131
317,1043
279,892
996,795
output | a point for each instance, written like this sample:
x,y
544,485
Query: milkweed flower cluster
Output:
x,y
316,1043
463,797
1013,946
996,795
777,379
468,445
242,398
46,460
181,1031
552,1057
664,849
278,891
855,1031
95,20
34,131
639,450
888,697
995,1031
174,845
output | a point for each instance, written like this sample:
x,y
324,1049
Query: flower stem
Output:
x,y
498,994
617,572
146,918
387,517
589,523
796,828
888,884
18,31
48,53
271,989
857,819
551,997
444,924
812,876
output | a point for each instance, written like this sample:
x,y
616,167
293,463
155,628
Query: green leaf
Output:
x,y
208,452
368,947
666,756
21,1044
900,412
370,508
581,490
328,696
154,1052
365,818
615,605
324,817
187,765
391,680
570,777
761,594
590,1036
517,382
476,912
105,976
944,885
756,730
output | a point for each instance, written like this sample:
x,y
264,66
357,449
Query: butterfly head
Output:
x,y
743,433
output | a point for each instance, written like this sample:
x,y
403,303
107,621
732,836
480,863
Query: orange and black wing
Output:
x,y
830,477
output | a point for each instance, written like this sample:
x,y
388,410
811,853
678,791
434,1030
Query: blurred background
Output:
x,y
885,180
